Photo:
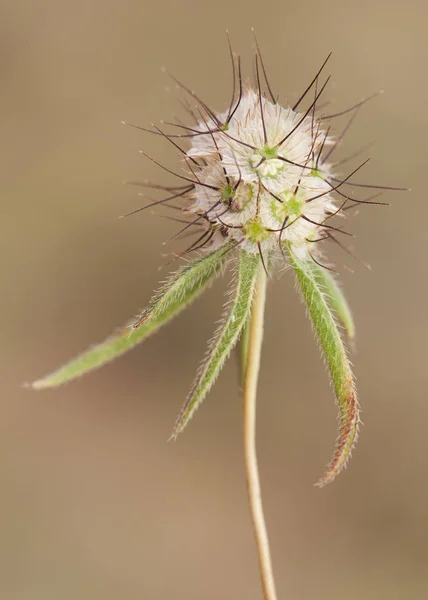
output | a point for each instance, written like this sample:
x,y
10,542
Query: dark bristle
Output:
x,y
238,102
320,264
177,175
373,187
259,87
198,100
351,108
175,145
232,60
305,114
321,148
271,94
347,250
259,246
340,184
306,218
352,156
342,135
312,82
157,203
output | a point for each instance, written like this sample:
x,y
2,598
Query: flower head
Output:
x,y
258,181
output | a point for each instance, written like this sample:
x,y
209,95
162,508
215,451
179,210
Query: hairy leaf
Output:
x,y
337,362
235,316
335,298
177,292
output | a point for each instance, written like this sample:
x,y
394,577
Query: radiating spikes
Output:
x,y
156,186
194,246
342,135
271,94
290,162
313,114
259,246
340,184
306,218
259,87
195,132
196,97
232,60
319,263
175,219
242,143
347,250
373,187
238,102
355,106
210,124
175,145
312,82
156,203
171,135
272,194
217,148
351,156
305,114
177,174
357,200
283,226
198,218
322,148
184,102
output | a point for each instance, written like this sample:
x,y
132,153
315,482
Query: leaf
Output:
x,y
335,298
338,364
177,292
234,318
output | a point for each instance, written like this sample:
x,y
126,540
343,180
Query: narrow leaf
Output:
x,y
225,338
335,298
337,362
177,292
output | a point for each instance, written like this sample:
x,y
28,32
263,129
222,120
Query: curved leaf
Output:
x,y
177,292
335,298
338,364
235,316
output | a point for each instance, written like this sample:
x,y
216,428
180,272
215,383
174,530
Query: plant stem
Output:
x,y
242,350
250,378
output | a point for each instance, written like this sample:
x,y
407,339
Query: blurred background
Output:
x,y
94,503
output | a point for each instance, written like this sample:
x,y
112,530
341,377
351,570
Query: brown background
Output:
x,y
94,504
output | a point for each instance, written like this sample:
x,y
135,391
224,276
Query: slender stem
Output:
x,y
242,350
254,345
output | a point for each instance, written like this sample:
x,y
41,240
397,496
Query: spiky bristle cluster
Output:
x,y
259,183
261,175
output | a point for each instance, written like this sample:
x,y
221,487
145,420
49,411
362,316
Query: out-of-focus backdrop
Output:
x,y
94,503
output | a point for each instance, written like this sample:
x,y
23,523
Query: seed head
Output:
x,y
258,181
259,175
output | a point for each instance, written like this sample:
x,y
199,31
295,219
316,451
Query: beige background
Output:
x,y
94,504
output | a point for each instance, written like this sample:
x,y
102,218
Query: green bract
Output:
x,y
320,292
176,293
314,291
335,298
235,316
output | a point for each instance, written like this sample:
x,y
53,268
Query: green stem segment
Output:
x,y
253,345
242,352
